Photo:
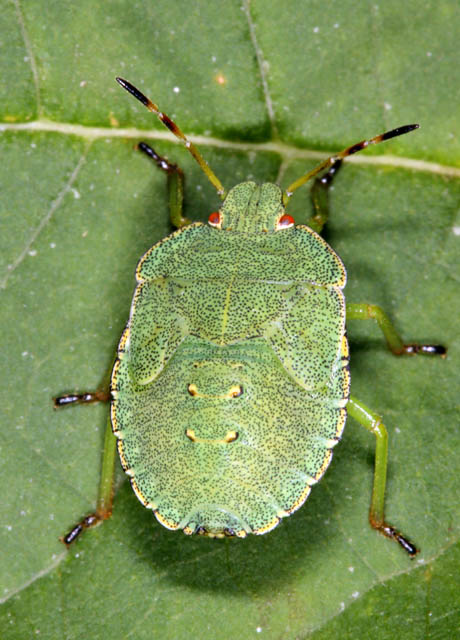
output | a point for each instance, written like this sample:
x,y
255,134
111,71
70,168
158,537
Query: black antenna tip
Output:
x,y
399,131
133,91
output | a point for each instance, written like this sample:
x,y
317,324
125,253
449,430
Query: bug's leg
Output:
x,y
373,423
88,397
366,311
105,497
175,185
320,197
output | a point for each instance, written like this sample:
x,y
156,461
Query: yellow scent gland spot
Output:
x,y
231,436
192,389
234,392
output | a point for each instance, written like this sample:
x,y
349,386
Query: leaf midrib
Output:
x,y
286,151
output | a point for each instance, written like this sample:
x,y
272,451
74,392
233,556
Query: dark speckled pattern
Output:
x,y
239,307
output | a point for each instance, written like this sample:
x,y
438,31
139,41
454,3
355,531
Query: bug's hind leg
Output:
x,y
373,423
105,497
175,185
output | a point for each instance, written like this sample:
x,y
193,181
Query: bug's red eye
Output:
x,y
285,221
215,219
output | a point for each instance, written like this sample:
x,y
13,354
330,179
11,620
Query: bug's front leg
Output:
x,y
105,497
175,185
373,423
320,197
364,311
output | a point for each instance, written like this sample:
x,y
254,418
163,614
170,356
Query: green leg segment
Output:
x,y
373,423
320,198
175,185
105,498
364,311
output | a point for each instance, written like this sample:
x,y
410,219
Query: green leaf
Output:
x,y
265,86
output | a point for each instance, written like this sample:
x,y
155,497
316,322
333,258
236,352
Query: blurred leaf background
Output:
x,y
263,87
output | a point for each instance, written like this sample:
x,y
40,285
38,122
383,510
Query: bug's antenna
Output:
x,y
172,126
329,162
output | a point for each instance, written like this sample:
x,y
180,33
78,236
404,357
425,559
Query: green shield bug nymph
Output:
x,y
231,383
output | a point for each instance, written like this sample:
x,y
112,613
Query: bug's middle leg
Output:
x,y
175,185
364,311
105,496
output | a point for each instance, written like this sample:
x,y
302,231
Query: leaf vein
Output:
x,y
46,218
262,64
30,54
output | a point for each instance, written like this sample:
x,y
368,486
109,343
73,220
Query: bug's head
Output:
x,y
252,208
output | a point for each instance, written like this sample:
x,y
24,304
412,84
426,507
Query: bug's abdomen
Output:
x,y
224,440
